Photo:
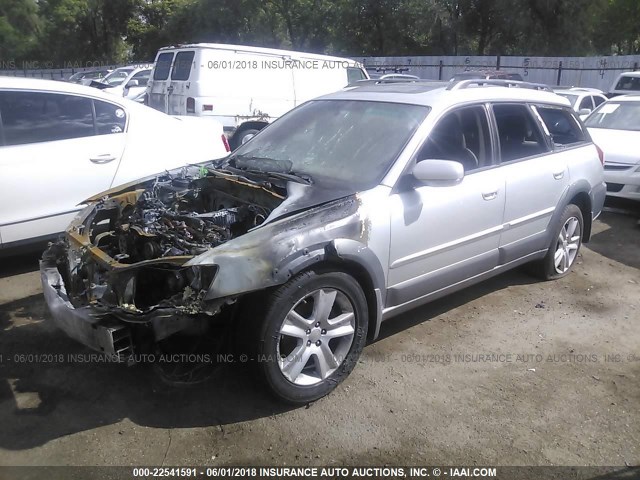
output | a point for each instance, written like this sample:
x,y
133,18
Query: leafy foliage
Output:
x,y
79,31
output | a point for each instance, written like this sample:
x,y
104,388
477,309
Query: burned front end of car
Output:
x,y
123,278
171,257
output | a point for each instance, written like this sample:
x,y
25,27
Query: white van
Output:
x,y
243,87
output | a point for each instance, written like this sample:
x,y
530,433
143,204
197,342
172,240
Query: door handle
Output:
x,y
100,159
490,195
558,175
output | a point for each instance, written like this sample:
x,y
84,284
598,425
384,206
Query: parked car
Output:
x,y
243,87
615,127
583,100
129,82
86,77
487,75
628,82
343,213
61,143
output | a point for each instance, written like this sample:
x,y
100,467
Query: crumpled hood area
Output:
x,y
192,235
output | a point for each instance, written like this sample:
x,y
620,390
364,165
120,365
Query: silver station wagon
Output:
x,y
348,210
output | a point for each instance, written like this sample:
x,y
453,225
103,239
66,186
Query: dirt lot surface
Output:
x,y
509,372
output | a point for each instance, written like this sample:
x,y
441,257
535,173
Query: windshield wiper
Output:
x,y
280,169
289,176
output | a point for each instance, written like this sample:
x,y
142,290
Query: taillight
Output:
x,y
191,105
226,143
146,99
207,108
600,154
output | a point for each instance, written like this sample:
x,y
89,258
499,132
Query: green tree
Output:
x,y
80,31
617,27
19,27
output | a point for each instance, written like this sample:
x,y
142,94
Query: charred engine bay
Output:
x,y
151,230
181,216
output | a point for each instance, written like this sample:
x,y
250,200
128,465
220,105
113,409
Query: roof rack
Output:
x,y
495,82
385,81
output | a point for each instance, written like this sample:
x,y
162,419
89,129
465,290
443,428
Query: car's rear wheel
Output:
x,y
313,333
565,246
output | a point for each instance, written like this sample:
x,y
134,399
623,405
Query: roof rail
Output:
x,y
385,81
495,82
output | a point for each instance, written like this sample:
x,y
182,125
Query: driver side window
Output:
x,y
461,136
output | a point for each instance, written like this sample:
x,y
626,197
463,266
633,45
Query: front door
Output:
x,y
442,235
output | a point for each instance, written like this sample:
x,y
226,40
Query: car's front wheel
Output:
x,y
312,335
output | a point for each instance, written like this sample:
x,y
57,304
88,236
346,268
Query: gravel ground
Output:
x,y
509,372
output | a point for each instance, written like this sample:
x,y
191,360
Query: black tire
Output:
x,y
299,293
239,136
546,268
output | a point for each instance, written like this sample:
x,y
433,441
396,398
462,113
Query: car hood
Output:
x,y
298,197
618,145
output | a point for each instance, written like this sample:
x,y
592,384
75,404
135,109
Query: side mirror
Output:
x,y
438,172
584,111
133,83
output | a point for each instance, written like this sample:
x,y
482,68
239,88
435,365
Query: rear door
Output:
x,y
58,150
536,179
157,90
179,86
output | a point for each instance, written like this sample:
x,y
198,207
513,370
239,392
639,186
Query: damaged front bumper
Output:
x,y
98,332
113,329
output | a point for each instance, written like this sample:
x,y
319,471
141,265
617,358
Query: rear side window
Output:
x,y
109,118
628,83
355,74
33,117
163,66
598,100
562,125
182,66
518,132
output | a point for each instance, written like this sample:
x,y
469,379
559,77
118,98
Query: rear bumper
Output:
x,y
98,332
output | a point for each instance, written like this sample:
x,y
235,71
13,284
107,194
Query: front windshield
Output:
x,y
347,144
616,116
116,77
572,97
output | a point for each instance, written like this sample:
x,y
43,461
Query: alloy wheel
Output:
x,y
316,336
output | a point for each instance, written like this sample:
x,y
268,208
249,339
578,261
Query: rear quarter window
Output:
x,y
110,118
562,125
163,66
182,66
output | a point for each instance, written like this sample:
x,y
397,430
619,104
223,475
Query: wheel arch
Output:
x,y
353,258
577,194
